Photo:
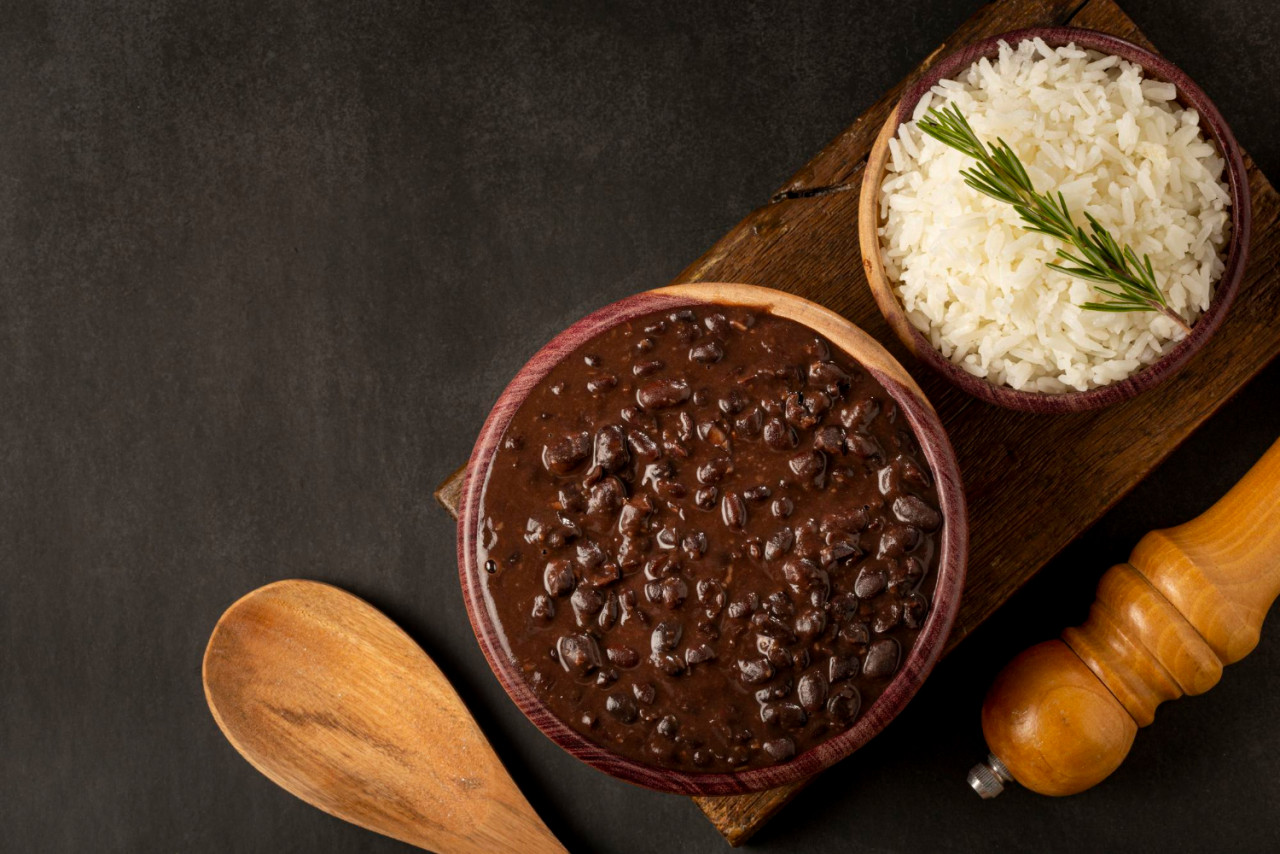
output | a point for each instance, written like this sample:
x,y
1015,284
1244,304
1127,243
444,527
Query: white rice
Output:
x,y
974,280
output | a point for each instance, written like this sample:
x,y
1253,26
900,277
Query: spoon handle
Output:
x,y
333,702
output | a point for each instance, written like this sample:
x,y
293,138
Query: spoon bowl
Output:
x,y
334,703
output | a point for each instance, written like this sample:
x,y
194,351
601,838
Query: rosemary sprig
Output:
x,y
1114,269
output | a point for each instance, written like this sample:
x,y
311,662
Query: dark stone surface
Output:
x,y
262,272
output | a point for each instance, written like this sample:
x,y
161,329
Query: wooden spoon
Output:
x,y
332,701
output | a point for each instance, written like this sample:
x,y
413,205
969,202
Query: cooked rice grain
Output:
x,y
1119,146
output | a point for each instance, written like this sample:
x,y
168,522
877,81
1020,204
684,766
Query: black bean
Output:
x,y
663,394
804,411
672,665
587,602
809,540
714,470
634,516
705,498
605,497
836,552
714,432
589,554
810,623
602,383
828,376
888,481
732,403
811,691
567,453
849,519
855,633
779,749
897,540
543,607
674,592
870,582
694,545
630,552
829,440
843,706
603,574
913,472
711,594
782,507
642,445
667,538
622,707
578,653
748,426
779,543
773,650
622,656
668,726
665,636
717,324
886,617
708,352
698,654
779,436
859,415
842,607
734,511
808,465
913,511
557,577
647,367
802,576
660,567
757,493
882,659
841,667
610,448
914,609
606,677
864,447
753,671
644,693
786,715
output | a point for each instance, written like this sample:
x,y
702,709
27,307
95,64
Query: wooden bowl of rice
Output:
x,y
980,308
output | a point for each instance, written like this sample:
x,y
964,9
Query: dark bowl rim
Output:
x,y
918,662
1189,95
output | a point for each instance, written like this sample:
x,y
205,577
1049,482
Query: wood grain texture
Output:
x,y
1034,482
333,702
1062,716
952,552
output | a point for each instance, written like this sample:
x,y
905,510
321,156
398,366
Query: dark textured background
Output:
x,y
262,272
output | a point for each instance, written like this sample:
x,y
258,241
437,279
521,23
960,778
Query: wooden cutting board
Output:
x,y
1034,482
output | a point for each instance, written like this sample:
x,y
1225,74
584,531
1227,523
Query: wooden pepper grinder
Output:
x,y
1062,715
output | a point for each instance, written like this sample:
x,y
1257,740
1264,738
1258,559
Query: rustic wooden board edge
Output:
x,y
836,170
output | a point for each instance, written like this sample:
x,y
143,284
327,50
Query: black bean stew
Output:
x,y
709,539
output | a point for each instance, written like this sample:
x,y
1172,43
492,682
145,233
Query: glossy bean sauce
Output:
x,y
709,539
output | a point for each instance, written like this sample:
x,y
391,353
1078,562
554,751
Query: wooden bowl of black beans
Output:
x,y
712,538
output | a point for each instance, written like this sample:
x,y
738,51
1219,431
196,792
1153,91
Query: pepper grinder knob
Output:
x,y
988,778
1063,714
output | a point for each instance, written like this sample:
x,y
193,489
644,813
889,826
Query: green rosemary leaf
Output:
x,y
1099,258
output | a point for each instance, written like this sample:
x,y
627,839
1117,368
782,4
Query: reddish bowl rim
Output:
x,y
1189,95
952,562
